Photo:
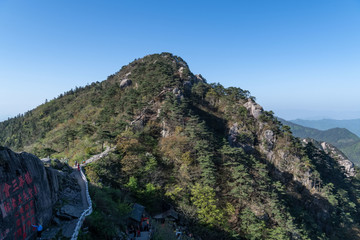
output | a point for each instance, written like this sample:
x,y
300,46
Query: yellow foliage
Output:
x,y
184,174
178,130
174,146
131,163
211,96
186,158
125,144
204,198
230,209
92,175
174,192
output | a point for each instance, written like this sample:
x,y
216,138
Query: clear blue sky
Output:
x,y
300,59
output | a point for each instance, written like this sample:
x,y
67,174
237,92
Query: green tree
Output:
x,y
253,227
203,197
207,169
241,184
132,184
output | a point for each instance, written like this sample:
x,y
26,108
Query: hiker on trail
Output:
x,y
144,223
75,163
132,232
178,233
138,231
39,229
147,226
78,167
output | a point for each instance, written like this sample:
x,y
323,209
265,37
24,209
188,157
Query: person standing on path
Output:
x,y
39,229
78,165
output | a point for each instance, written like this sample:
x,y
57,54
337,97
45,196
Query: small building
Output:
x,y
170,214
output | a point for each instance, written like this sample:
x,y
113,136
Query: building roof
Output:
x,y
171,213
137,212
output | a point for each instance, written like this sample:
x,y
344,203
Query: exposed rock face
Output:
x,y
165,132
46,160
199,78
181,70
264,140
176,91
268,142
125,83
178,94
340,158
335,154
28,193
233,132
268,137
69,212
25,194
239,138
254,108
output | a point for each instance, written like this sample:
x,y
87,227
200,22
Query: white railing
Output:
x,y
87,212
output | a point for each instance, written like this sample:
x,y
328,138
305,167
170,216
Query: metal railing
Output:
x,y
87,212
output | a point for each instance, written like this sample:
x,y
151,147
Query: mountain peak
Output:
x,y
210,152
151,65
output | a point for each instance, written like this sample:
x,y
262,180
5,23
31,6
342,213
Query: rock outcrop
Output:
x,y
342,160
267,140
125,83
29,191
25,194
255,109
238,137
199,78
335,154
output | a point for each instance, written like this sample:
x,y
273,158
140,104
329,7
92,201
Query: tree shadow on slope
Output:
x,y
215,124
311,211
341,190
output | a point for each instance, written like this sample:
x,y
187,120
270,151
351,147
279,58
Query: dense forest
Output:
x,y
231,169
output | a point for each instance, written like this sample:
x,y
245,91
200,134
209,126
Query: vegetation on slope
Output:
x,y
195,146
346,141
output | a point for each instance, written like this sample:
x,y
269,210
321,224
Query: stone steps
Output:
x,y
143,236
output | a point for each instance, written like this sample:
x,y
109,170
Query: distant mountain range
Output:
x,y
352,125
342,138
